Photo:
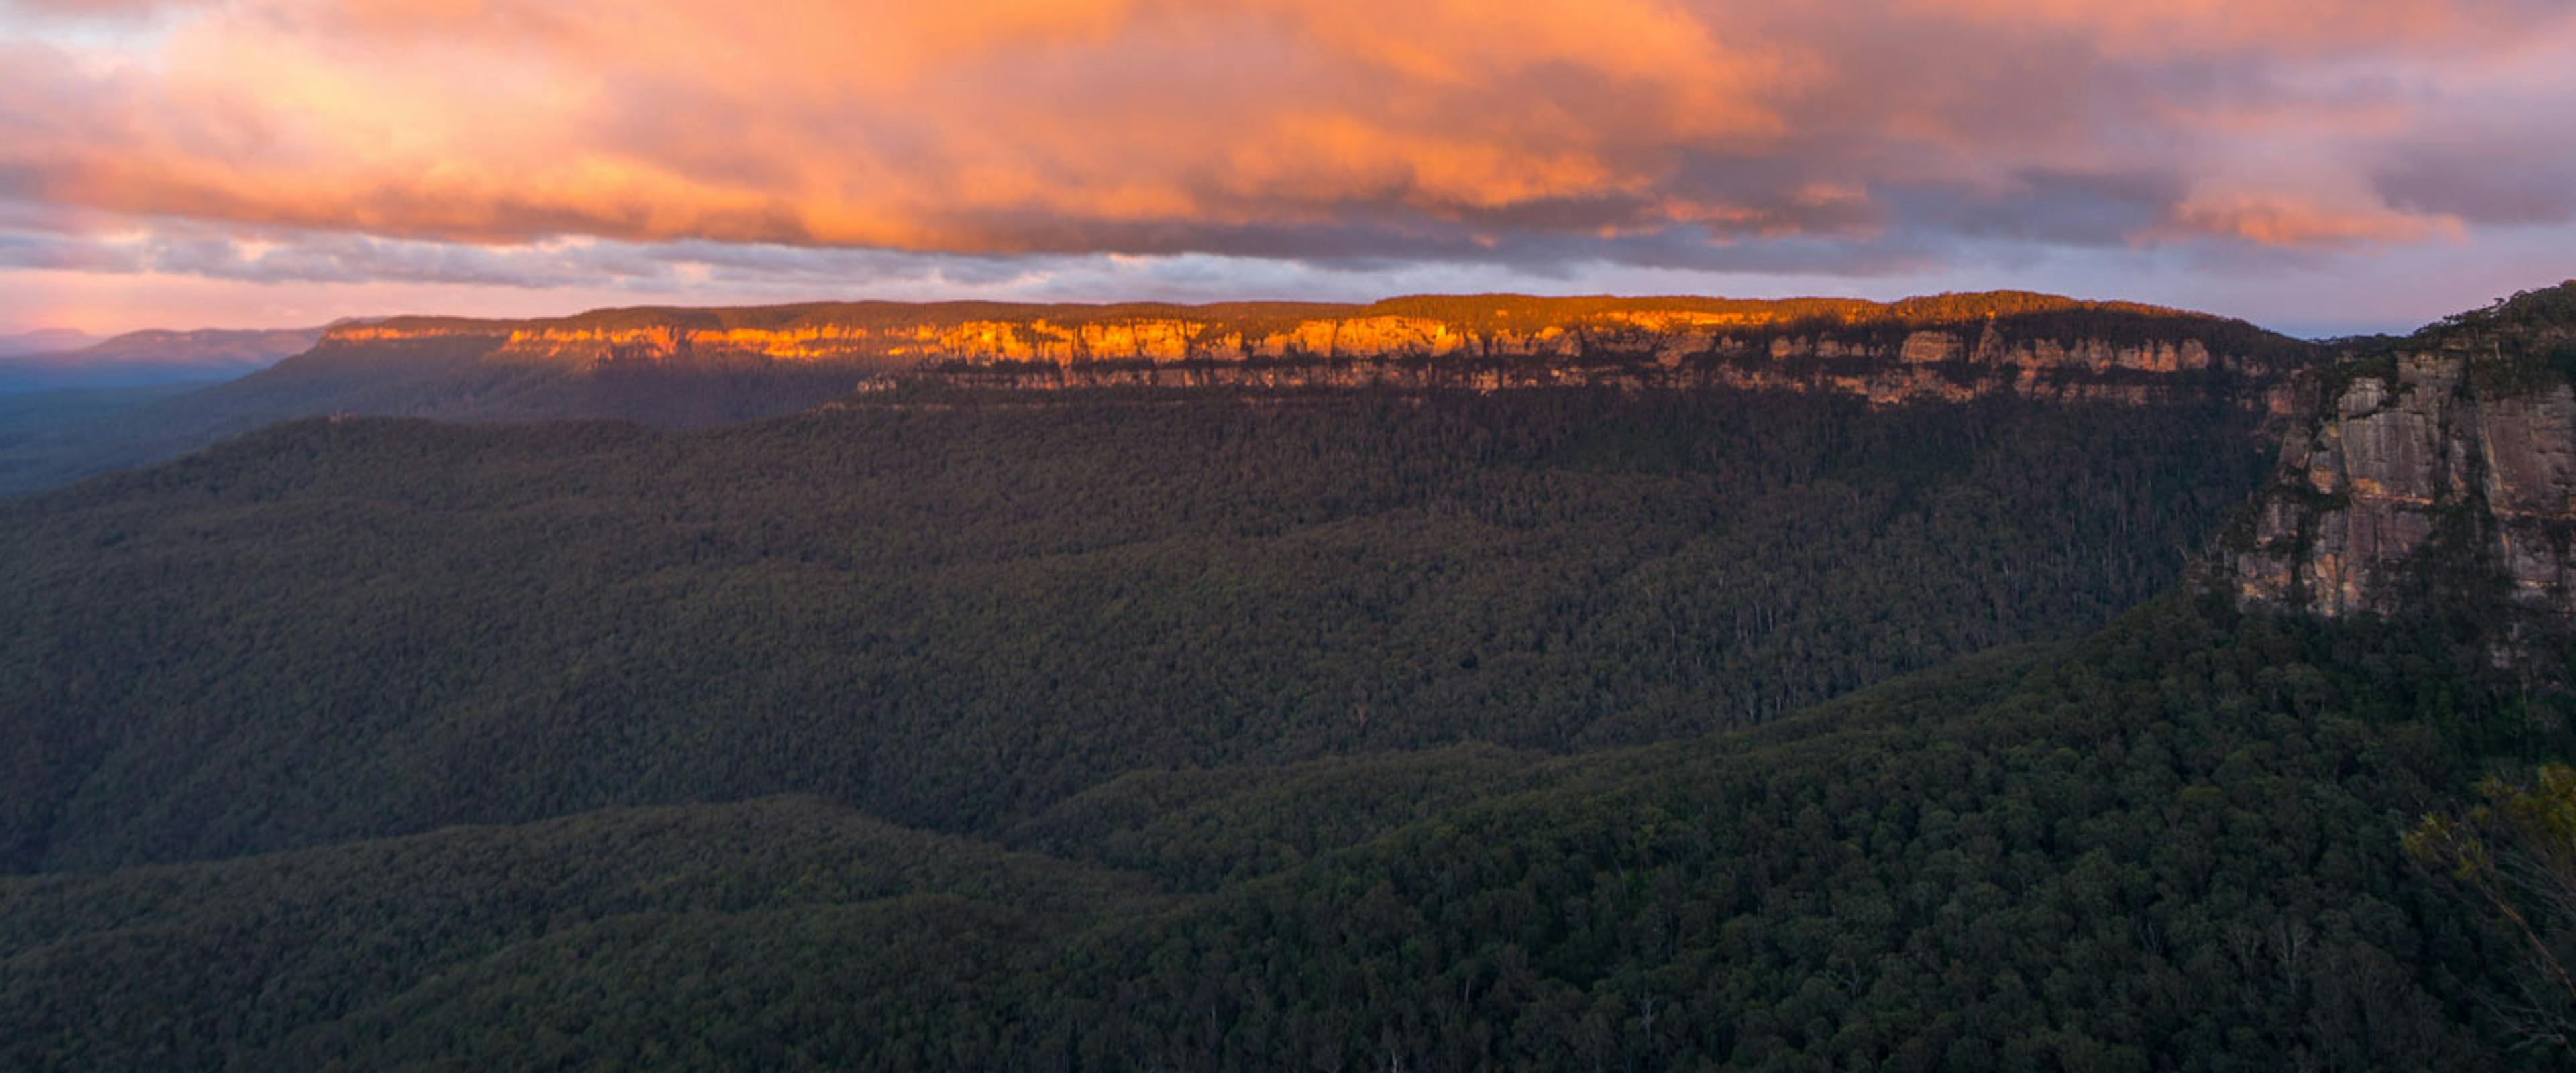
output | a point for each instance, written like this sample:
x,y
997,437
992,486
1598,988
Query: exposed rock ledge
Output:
x,y
2435,472
1950,347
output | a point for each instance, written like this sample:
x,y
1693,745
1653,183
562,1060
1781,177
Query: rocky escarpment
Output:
x,y
1949,347
2441,472
1943,364
695,368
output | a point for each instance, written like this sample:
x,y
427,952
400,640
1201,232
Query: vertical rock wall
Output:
x,y
2405,477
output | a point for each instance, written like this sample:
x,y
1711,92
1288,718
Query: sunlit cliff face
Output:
x,y
1951,347
683,145
1359,338
1979,331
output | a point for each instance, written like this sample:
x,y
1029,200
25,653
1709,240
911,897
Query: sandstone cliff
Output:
x,y
1949,347
2439,472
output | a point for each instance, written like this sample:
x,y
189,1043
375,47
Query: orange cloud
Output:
x,y
1282,127
877,124
2285,221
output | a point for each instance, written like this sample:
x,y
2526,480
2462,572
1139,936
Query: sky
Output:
x,y
2319,168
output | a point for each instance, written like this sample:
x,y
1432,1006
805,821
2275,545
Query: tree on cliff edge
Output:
x,y
2515,855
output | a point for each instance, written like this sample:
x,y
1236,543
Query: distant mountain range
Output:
x,y
45,341
57,359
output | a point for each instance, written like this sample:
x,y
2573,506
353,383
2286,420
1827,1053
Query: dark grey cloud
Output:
x,y
2047,207
2528,178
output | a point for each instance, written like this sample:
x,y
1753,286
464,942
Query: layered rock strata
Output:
x,y
1954,347
2429,473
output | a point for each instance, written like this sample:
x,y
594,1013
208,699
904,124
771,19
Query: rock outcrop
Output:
x,y
1950,347
2441,469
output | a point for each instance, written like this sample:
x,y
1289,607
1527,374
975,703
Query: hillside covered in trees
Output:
x,y
2172,846
1220,729
957,610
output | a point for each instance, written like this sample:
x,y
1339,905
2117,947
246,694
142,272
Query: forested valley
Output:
x,y
2171,846
954,612
1558,729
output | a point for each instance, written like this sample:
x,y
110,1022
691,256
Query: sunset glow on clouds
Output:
x,y
192,161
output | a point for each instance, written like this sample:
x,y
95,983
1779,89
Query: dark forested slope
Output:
x,y
183,967
2169,847
955,613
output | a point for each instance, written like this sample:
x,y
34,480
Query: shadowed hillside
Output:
x,y
2171,846
955,610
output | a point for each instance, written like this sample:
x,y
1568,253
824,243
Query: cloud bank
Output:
x,y
645,142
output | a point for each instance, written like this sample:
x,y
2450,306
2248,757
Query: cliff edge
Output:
x,y
1951,347
2435,471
